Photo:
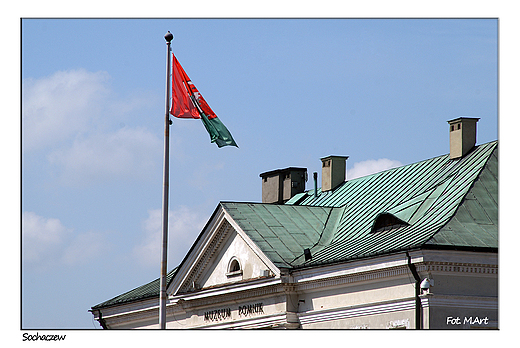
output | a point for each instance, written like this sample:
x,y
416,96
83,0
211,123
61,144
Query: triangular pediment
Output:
x,y
222,254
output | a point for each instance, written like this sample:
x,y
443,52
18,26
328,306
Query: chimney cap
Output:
x,y
284,170
458,119
333,156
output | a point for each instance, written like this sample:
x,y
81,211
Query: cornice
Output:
x,y
459,267
222,297
137,315
356,311
352,278
133,306
400,270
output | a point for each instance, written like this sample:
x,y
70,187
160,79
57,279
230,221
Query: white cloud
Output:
x,y
370,167
184,224
55,108
69,114
126,153
47,242
41,237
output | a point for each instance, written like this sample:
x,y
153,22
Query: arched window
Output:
x,y
234,268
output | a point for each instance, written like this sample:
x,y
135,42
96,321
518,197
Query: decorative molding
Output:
x,y
353,278
203,261
459,267
139,315
356,311
381,273
233,296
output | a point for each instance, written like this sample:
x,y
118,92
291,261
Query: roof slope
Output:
x,y
149,290
282,232
476,221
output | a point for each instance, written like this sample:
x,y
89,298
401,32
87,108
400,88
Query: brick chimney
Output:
x,y
280,185
333,172
463,136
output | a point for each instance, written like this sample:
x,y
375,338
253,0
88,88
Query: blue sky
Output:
x,y
289,90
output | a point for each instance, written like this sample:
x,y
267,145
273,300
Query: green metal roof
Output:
x,y
282,231
438,202
149,290
444,203
476,221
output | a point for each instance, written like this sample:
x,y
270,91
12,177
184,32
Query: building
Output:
x,y
410,247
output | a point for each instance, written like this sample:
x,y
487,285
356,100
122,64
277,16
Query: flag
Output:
x,y
189,103
182,106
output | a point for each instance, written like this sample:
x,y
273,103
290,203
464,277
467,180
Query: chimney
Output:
x,y
280,185
333,172
463,136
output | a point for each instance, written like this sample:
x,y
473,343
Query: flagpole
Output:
x,y
163,296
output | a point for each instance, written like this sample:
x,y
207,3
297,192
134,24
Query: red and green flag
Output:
x,y
189,103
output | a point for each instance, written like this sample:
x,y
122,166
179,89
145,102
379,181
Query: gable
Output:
x,y
209,262
236,261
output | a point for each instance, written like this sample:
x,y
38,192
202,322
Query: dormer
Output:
x,y
386,221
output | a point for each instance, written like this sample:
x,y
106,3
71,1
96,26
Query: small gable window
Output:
x,y
386,222
234,268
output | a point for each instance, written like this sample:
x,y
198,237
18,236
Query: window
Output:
x,y
386,222
452,128
234,268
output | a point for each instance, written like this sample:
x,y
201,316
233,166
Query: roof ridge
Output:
x,y
328,232
303,194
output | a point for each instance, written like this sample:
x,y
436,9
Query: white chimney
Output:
x,y
463,136
333,172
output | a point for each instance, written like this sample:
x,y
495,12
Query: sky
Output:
x,y
290,91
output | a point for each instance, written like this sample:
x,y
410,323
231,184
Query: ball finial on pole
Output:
x,y
168,37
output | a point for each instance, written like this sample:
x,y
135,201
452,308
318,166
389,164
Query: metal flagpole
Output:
x,y
163,296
